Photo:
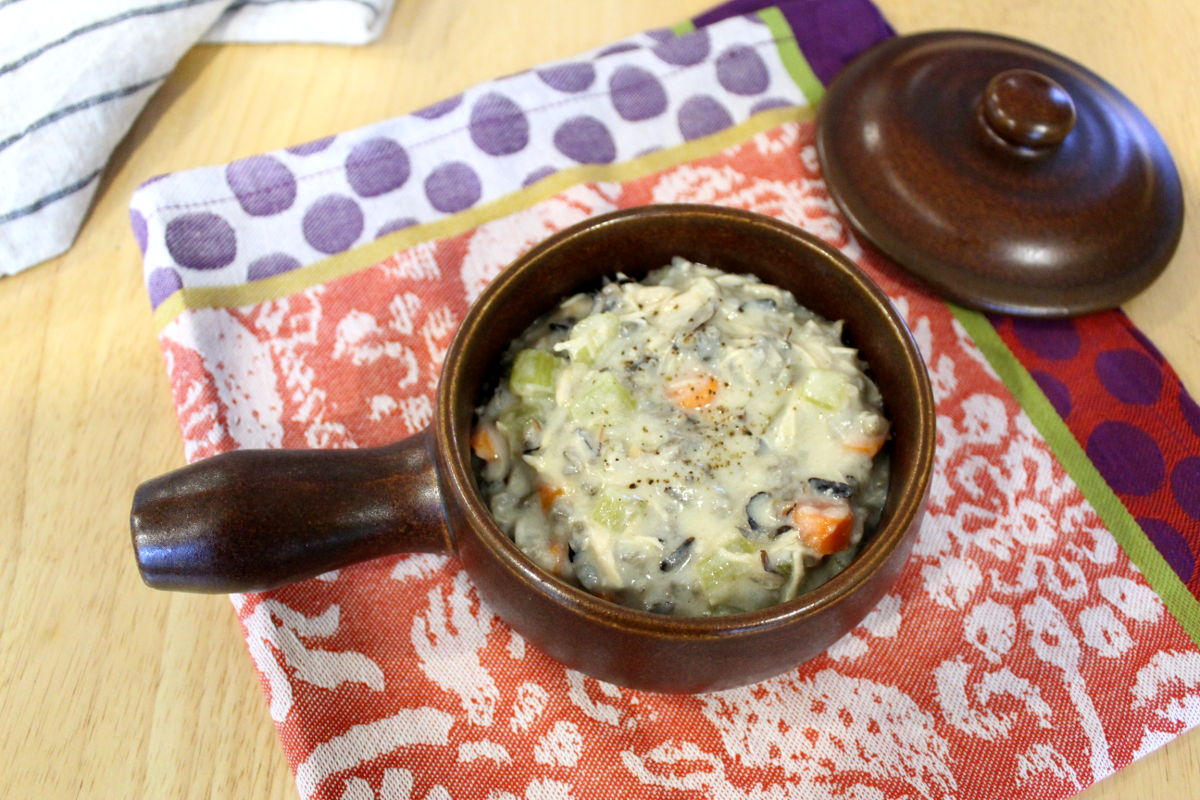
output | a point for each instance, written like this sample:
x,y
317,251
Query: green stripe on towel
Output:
x,y
1133,540
791,56
683,28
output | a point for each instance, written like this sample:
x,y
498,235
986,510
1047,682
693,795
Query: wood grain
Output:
x,y
108,689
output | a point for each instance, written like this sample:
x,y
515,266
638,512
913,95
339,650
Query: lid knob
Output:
x,y
1028,109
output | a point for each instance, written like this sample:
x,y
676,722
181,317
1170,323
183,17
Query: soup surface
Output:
x,y
696,443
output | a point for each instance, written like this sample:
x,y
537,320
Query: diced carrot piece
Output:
x,y
870,445
548,494
483,443
824,527
693,392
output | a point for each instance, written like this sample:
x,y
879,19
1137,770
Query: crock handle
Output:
x,y
252,520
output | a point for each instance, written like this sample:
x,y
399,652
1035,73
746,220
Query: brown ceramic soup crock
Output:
x,y
252,520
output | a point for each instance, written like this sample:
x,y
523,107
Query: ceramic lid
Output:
x,y
1005,176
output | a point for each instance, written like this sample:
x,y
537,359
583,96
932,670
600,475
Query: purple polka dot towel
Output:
x,y
213,226
70,87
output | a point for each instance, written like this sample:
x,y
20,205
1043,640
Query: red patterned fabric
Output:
x,y
1019,655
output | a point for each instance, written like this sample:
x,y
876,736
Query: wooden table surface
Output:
x,y
110,690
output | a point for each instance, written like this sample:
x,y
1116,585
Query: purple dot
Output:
x,y
498,125
395,225
439,109
1130,376
161,284
262,184
271,264
140,233
586,140
683,51
661,34
153,179
377,166
742,71
768,103
201,241
568,77
1191,411
1126,457
619,47
1058,394
1171,545
1185,485
452,187
537,175
332,223
308,148
637,94
1053,339
701,115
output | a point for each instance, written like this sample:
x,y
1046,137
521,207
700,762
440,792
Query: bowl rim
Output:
x,y
454,452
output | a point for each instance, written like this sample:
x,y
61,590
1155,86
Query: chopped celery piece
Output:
x,y
719,574
515,421
783,568
617,511
715,572
591,334
740,544
601,398
824,387
533,373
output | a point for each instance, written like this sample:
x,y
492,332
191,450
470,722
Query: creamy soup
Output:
x,y
696,443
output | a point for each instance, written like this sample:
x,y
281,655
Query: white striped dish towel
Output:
x,y
75,73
